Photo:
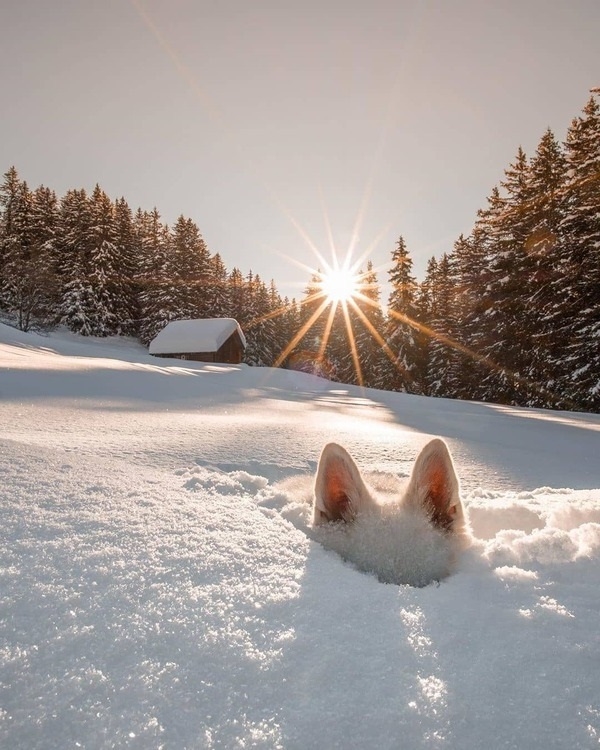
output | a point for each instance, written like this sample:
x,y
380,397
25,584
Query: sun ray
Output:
x,y
269,316
371,328
473,355
328,228
300,229
360,216
300,334
353,347
327,332
298,263
177,61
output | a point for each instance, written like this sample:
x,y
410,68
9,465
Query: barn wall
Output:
x,y
232,351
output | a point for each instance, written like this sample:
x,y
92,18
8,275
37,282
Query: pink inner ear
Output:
x,y
439,497
336,498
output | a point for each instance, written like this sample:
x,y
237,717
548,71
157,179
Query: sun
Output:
x,y
340,285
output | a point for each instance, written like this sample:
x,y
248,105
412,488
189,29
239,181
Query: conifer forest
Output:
x,y
510,314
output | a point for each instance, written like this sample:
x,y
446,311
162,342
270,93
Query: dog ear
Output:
x,y
434,486
339,489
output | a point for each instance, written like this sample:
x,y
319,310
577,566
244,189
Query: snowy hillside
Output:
x,y
158,588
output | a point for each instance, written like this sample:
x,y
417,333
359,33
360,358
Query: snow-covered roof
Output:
x,y
200,335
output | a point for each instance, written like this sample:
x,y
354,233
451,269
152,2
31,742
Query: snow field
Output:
x,y
159,587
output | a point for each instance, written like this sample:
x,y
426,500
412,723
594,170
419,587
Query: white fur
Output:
x,y
404,535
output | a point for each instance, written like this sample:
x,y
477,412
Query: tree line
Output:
x,y
100,269
511,314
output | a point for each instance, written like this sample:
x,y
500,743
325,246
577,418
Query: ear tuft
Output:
x,y
434,485
339,488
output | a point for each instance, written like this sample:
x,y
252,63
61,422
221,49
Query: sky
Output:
x,y
162,585
283,128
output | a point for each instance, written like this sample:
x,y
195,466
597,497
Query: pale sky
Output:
x,y
260,118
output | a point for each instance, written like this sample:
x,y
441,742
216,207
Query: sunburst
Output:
x,y
340,284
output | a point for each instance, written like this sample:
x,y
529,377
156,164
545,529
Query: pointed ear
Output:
x,y
434,486
339,489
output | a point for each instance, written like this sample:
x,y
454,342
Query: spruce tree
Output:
x,y
190,265
279,309
12,220
236,297
153,240
259,326
309,352
76,294
546,298
509,287
402,326
127,287
424,305
342,358
469,274
39,288
290,327
216,289
28,285
373,351
16,206
102,266
443,356
580,229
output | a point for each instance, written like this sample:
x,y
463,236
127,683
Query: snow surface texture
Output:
x,y
203,335
159,587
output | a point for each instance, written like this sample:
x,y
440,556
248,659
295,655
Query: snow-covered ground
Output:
x,y
158,589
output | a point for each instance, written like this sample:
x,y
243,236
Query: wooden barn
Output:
x,y
201,340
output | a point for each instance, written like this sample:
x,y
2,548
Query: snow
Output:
x,y
201,335
160,587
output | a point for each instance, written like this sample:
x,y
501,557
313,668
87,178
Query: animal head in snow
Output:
x,y
403,534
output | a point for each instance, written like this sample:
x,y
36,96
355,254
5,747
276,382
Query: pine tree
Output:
x,y
370,331
102,267
153,240
279,310
547,176
292,318
236,297
73,223
38,284
16,206
424,304
190,265
289,329
12,219
216,289
402,326
443,356
508,336
310,352
342,357
469,274
580,231
126,282
259,328
28,284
